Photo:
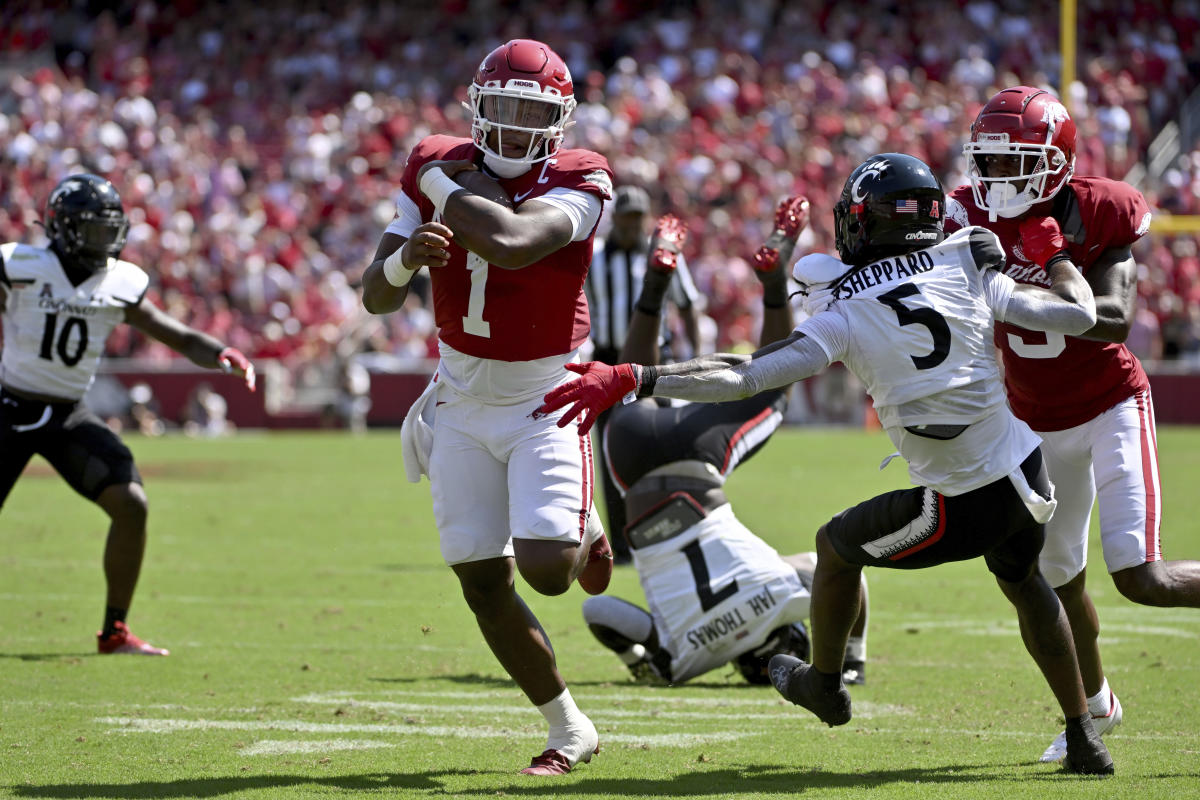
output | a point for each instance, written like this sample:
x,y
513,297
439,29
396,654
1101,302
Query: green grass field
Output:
x,y
320,648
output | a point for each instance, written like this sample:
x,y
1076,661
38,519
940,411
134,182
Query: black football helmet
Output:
x,y
891,204
790,640
86,222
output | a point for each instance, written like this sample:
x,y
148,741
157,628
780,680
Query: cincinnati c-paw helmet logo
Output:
x,y
872,170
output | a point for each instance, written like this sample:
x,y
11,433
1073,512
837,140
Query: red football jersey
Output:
x,y
513,314
1054,381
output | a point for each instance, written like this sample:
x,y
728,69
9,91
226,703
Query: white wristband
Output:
x,y
438,186
394,271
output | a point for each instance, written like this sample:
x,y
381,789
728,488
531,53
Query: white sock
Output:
x,y
571,732
1100,703
856,649
633,655
594,529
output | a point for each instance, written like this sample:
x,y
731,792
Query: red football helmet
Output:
x,y
1032,126
522,92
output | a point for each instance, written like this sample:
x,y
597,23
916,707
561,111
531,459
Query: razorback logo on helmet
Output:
x,y
1054,113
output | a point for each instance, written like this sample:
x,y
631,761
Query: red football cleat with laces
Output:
x,y
552,762
667,243
122,641
790,218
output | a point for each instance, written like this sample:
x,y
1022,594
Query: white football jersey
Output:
x,y
716,591
917,330
54,331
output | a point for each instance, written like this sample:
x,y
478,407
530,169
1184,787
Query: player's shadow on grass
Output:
x,y
735,682
764,780
474,679
48,656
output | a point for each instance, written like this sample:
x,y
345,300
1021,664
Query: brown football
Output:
x,y
476,182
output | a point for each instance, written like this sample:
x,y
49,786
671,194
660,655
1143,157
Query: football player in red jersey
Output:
x,y
59,304
1087,395
504,221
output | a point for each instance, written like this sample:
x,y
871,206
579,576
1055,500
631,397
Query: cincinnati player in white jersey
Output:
x,y
58,305
900,305
1087,396
505,222
717,593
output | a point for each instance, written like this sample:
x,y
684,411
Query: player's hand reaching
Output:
x,y
601,387
234,362
791,217
666,244
1042,240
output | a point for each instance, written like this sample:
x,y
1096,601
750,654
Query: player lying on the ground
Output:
x,y
59,304
911,313
717,592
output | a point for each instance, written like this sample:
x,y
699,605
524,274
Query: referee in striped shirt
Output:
x,y
614,281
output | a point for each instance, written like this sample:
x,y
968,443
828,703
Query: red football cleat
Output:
x,y
552,762
667,243
790,218
598,571
548,763
124,642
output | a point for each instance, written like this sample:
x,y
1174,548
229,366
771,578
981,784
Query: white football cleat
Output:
x,y
1057,750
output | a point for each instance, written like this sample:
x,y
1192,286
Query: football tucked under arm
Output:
x,y
479,184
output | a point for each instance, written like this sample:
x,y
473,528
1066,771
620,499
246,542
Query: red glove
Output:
x,y
790,218
1042,239
233,361
601,387
665,246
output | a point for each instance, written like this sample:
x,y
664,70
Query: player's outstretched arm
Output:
x,y
484,219
708,379
199,347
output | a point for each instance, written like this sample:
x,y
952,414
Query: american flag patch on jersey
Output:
x,y
906,206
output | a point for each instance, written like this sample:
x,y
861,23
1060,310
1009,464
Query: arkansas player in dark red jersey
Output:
x,y
1087,396
504,221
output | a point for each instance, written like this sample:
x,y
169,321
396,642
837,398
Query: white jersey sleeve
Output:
x,y
583,209
408,217
54,330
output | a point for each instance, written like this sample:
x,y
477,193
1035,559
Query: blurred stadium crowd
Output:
x,y
258,146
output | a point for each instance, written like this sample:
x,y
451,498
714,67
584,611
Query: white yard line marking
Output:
x,y
162,726
975,627
142,725
862,710
283,747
